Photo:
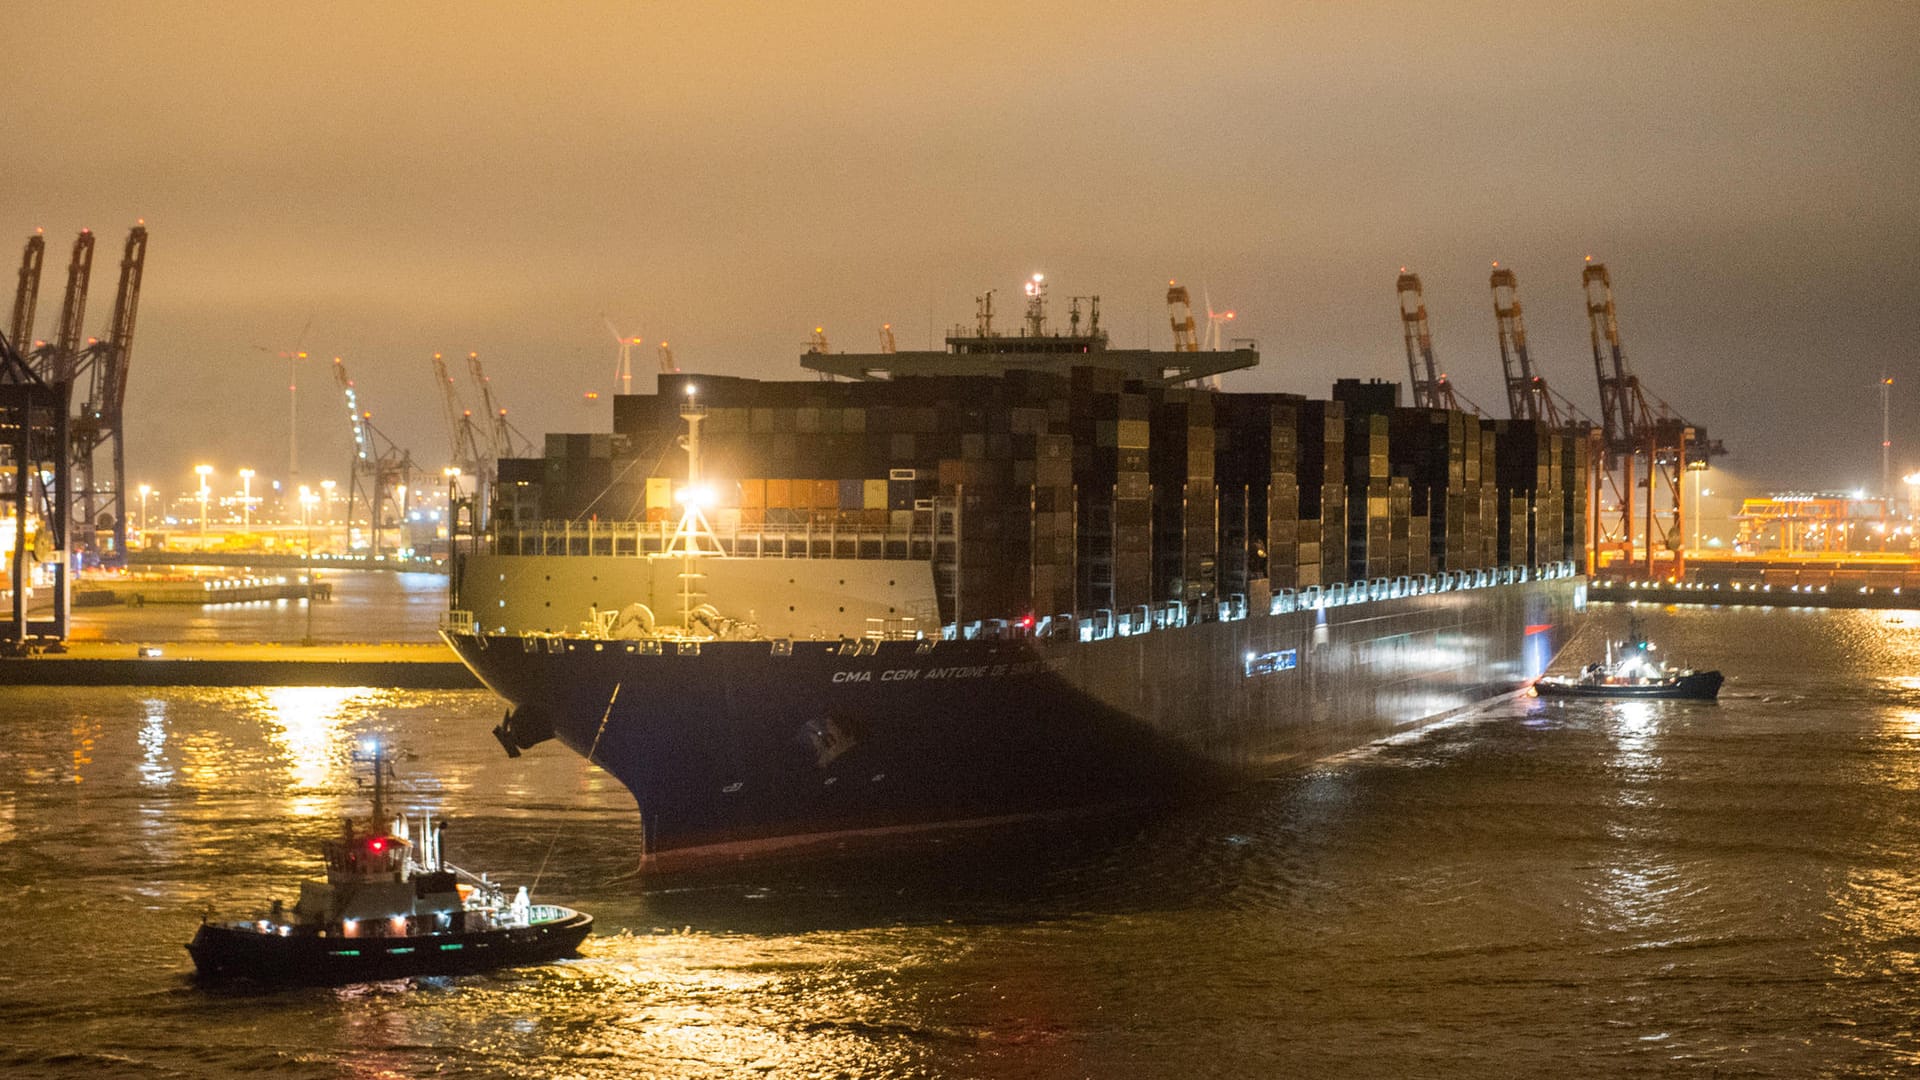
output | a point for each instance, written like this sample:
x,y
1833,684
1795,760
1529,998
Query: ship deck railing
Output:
x,y
826,537
1107,623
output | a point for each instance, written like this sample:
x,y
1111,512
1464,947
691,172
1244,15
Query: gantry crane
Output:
x,y
380,474
97,371
1431,387
1636,440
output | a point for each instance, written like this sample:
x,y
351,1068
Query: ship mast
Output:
x,y
694,536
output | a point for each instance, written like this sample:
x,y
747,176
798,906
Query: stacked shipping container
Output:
x,y
1089,490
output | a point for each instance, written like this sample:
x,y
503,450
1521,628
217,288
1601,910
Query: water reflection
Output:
x,y
154,771
310,720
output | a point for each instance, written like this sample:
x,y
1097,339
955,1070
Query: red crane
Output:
x,y
1636,439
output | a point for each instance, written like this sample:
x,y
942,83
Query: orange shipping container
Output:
x,y
826,494
753,494
780,494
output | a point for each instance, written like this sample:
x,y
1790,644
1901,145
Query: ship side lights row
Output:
x,y
1737,586
1172,614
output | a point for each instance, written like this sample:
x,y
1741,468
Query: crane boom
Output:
x,y
463,439
112,382
27,297
99,421
1431,389
65,357
504,439
1527,396
1625,417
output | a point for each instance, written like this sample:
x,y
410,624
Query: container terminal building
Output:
x,y
1045,473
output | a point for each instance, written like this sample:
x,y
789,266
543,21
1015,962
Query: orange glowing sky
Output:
x,y
495,177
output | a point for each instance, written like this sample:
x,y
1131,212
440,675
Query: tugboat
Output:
x,y
391,907
1632,671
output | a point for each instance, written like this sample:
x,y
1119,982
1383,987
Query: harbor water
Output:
x,y
1538,889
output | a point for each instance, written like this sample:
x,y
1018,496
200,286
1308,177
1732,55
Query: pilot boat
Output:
x,y
1631,670
391,907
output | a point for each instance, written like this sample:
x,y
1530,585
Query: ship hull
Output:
x,y
733,743
1692,686
222,952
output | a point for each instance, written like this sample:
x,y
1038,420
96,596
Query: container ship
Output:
x,y
1025,575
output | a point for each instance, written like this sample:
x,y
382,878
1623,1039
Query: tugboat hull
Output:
x,y
223,951
1693,686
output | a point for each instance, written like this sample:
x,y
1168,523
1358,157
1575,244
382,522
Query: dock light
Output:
x,y
692,389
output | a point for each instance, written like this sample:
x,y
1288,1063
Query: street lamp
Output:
x,y
307,499
246,499
203,471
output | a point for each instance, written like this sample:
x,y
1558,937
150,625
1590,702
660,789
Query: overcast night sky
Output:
x,y
476,177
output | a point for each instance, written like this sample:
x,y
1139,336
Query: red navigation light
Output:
x,y
378,843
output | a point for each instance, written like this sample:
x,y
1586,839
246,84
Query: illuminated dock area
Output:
x,y
402,666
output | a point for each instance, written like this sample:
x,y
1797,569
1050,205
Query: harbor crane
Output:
x,y
95,371
1641,447
381,473
1431,387
667,364
503,439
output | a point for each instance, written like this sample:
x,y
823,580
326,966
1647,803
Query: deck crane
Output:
x,y
503,439
1431,387
27,297
380,474
98,421
887,344
1636,438
668,366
